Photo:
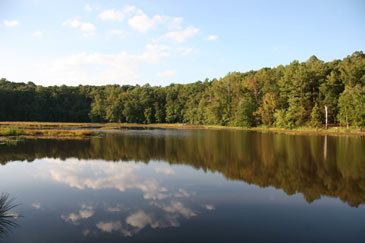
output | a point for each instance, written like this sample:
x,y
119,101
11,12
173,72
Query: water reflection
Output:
x,y
121,188
98,175
85,212
161,205
312,165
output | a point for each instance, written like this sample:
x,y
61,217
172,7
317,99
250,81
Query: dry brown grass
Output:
x,y
58,133
65,129
67,125
36,130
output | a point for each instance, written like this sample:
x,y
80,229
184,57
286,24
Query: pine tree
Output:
x,y
316,117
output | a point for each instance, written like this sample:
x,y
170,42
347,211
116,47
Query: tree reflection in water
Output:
x,y
312,165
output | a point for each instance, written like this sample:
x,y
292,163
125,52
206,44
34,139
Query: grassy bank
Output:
x,y
299,130
14,130
88,126
64,130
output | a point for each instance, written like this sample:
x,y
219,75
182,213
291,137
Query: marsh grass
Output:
x,y
16,129
59,133
83,130
13,141
11,131
298,130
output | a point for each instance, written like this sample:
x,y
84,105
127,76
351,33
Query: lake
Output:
x,y
167,185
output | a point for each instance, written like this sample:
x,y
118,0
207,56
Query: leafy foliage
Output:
x,y
285,96
316,117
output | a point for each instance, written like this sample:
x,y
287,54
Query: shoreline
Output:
x,y
73,130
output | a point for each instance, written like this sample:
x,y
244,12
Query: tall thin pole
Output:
x,y
325,148
326,110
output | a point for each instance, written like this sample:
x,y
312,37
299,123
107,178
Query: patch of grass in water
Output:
x,y
11,131
15,141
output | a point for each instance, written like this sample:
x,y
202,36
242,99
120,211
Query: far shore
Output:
x,y
65,130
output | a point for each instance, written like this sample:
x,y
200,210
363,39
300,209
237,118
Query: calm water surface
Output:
x,y
187,186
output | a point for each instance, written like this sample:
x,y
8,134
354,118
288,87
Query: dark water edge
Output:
x,y
188,186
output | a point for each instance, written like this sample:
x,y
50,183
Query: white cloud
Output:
x,y
116,32
166,74
109,226
212,37
88,29
10,23
184,51
137,221
209,207
118,15
154,53
118,177
155,195
181,36
182,193
129,8
141,219
144,23
88,8
85,212
98,68
175,209
112,176
178,207
37,34
175,23
133,224
112,14
139,20
36,205
116,208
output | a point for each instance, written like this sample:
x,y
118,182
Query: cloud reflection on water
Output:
x,y
85,212
163,205
139,220
99,175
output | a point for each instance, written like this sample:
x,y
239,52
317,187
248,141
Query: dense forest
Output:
x,y
285,96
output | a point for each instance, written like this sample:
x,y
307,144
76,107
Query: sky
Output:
x,y
98,42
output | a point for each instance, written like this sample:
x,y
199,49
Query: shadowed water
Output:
x,y
188,186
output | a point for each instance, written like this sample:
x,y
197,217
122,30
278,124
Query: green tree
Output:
x,y
267,109
352,107
294,115
316,117
245,112
330,90
280,118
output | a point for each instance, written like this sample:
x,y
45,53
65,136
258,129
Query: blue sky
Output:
x,y
160,42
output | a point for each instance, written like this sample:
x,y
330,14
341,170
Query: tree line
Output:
x,y
285,96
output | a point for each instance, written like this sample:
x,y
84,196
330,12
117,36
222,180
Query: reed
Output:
x,y
7,218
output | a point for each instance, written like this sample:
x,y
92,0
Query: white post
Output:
x,y
326,110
